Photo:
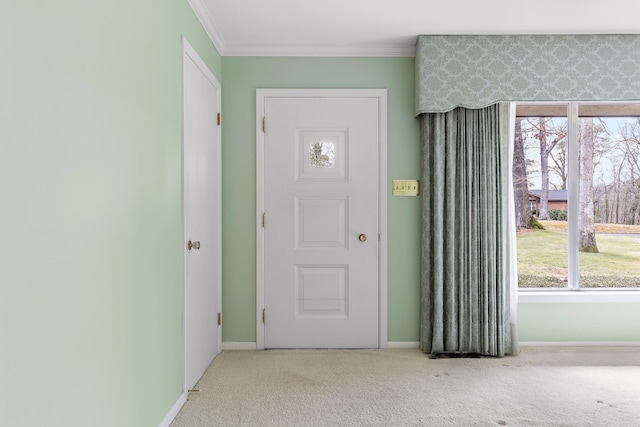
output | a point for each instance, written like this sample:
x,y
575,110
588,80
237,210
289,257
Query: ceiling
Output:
x,y
390,28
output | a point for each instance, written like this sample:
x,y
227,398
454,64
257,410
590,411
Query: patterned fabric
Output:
x,y
465,285
477,71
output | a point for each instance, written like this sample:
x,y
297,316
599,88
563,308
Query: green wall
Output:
x,y
580,322
90,230
537,322
243,76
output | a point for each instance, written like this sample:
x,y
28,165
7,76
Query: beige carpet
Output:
x,y
540,387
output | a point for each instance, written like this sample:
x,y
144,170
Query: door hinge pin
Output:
x,y
219,119
264,125
264,315
264,220
219,319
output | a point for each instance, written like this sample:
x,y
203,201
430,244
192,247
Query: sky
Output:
x,y
603,170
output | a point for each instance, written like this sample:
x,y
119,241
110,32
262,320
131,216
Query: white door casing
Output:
x,y
321,180
201,216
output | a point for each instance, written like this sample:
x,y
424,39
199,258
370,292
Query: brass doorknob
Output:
x,y
193,245
362,237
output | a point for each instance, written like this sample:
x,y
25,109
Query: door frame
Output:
x,y
190,54
381,96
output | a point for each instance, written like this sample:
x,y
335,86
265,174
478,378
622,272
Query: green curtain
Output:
x,y
465,307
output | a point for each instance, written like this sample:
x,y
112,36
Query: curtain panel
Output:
x,y
468,247
466,263
477,71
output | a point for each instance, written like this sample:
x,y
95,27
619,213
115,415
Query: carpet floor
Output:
x,y
543,386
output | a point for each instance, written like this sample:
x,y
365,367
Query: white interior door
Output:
x,y
322,225
201,192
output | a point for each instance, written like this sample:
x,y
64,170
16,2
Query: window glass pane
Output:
x,y
609,202
322,154
540,175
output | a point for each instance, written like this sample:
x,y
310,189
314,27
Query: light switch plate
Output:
x,y
405,187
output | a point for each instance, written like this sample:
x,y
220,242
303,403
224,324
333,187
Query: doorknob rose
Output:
x,y
362,237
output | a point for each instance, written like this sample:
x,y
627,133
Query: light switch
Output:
x,y
405,187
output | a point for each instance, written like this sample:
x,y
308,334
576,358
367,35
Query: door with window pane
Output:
x,y
322,222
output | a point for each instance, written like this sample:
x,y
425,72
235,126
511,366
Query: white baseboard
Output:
x,y
168,419
579,343
403,344
231,345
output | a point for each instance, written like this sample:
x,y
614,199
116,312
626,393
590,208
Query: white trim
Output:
x,y
381,94
317,51
189,52
207,22
185,47
260,114
534,296
173,412
382,218
580,343
403,344
232,345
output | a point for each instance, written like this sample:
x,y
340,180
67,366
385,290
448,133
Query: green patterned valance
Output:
x,y
477,71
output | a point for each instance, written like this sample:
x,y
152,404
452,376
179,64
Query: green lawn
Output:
x,y
542,261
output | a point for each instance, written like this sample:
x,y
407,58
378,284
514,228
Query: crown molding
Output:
x,y
407,50
207,22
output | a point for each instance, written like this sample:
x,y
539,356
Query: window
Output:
x,y
582,163
322,154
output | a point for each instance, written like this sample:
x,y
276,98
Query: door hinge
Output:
x,y
264,125
264,315
219,119
219,319
264,219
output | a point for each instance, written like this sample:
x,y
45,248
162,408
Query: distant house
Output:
x,y
557,200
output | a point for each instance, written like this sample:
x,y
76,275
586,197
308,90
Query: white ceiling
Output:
x,y
389,28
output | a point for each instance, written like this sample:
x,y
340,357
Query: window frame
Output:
x,y
573,292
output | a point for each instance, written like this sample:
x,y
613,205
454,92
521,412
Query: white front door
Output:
x,y
201,192
322,225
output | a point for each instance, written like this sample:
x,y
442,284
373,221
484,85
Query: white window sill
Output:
x,y
533,296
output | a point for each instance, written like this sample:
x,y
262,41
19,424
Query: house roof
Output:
x,y
554,195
